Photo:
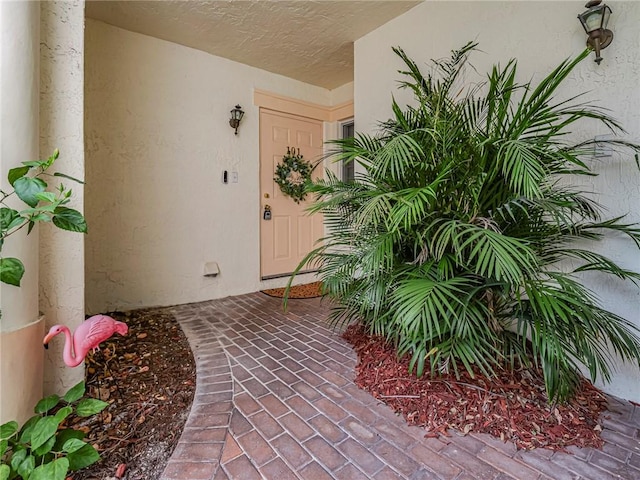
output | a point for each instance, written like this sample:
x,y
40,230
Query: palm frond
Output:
x,y
450,239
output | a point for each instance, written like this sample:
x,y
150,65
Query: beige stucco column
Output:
x,y
62,127
21,328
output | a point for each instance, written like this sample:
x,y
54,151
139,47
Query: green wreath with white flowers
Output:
x,y
293,174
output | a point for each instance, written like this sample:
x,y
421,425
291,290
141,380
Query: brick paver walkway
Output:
x,y
275,399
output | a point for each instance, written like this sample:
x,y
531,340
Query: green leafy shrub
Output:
x,y
453,240
42,449
43,206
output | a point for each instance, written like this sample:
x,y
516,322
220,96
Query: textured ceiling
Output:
x,y
311,41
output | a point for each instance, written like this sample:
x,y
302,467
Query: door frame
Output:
x,y
267,175
302,108
282,104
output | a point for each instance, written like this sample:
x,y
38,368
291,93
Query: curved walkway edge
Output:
x,y
275,399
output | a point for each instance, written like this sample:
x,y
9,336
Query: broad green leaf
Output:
x,y
43,431
18,457
7,216
69,219
74,393
58,174
26,188
8,429
16,173
47,403
84,457
63,413
64,435
90,406
34,163
46,196
40,217
56,470
45,447
5,470
11,271
61,468
16,222
31,213
26,467
4,444
73,445
27,429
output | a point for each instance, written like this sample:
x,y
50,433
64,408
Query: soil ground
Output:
x,y
148,377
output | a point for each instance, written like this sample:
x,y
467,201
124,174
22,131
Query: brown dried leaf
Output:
x,y
120,470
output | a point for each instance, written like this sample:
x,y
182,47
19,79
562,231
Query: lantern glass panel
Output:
x,y
592,20
237,113
606,15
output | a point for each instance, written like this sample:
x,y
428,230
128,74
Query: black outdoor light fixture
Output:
x,y
594,21
236,116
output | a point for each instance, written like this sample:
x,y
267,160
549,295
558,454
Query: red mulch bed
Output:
x,y
512,407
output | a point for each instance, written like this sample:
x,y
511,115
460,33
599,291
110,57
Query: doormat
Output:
x,y
308,290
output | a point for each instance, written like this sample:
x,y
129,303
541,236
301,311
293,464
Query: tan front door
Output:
x,y
291,233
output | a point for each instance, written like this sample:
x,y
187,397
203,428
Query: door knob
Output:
x,y
266,195
267,212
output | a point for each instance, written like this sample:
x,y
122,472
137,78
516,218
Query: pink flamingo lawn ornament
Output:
x,y
88,336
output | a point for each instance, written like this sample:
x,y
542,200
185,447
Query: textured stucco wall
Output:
x,y
19,70
21,355
539,35
157,142
61,126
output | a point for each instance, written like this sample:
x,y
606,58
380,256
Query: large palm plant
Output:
x,y
453,241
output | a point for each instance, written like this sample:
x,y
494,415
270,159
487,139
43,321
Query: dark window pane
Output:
x,y
348,173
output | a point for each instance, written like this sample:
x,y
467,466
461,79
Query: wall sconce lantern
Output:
x,y
594,21
236,116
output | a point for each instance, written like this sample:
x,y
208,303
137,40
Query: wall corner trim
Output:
x,y
281,103
342,111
